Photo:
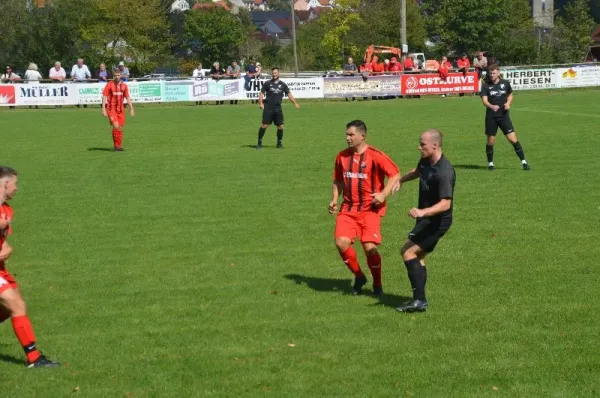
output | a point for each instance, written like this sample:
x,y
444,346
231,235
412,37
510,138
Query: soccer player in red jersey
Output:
x,y
359,174
113,96
12,304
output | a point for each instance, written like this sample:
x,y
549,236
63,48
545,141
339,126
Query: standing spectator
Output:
x,y
197,73
378,68
103,75
217,73
444,69
463,66
258,70
32,74
480,63
10,77
250,74
409,65
80,73
395,66
124,71
233,72
386,65
57,74
350,69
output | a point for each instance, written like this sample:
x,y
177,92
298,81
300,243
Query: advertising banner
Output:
x,y
584,76
178,90
37,94
90,93
300,88
145,91
433,84
531,79
358,86
217,90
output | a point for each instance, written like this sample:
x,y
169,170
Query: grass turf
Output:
x,y
192,264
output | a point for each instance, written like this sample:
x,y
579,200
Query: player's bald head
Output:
x,y
433,135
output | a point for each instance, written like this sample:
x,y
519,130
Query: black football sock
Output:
x,y
411,269
489,151
421,280
261,134
519,150
279,135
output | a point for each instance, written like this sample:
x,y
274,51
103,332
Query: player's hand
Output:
x,y
104,113
261,106
5,252
378,198
131,112
396,187
415,213
297,105
495,108
507,106
332,207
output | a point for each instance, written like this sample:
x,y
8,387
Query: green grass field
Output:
x,y
194,265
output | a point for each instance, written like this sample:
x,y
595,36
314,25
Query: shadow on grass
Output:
x,y
102,149
473,167
344,286
11,359
254,146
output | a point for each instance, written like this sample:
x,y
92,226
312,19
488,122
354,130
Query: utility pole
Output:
x,y
294,38
403,26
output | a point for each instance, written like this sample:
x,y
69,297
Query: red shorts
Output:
x,y
116,117
366,225
7,281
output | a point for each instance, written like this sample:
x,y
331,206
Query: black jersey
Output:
x,y
274,92
436,183
497,94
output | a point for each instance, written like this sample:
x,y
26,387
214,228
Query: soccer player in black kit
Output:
x,y
274,90
434,214
496,95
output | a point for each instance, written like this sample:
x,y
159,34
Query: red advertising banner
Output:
x,y
433,84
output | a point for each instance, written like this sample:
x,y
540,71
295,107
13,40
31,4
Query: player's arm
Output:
x,y
5,251
293,100
487,104
104,98
411,175
129,101
440,207
509,99
260,99
336,190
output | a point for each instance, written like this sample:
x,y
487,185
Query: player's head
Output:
x,y
8,183
356,133
117,75
275,73
430,143
494,73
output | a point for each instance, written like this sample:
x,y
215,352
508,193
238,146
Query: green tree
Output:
x,y
338,23
279,5
312,55
572,35
16,24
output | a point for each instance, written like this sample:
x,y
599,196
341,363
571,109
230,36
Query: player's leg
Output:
x,y
12,303
279,123
267,119
369,225
118,131
509,132
491,129
346,230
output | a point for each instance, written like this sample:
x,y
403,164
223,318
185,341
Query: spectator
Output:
x,y
124,71
233,72
258,70
386,65
409,65
10,77
444,69
395,66
480,63
197,73
463,66
80,72
378,68
32,74
103,74
217,73
350,68
57,74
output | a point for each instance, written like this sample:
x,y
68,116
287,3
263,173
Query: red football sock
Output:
x,y
119,138
351,260
24,332
374,262
115,136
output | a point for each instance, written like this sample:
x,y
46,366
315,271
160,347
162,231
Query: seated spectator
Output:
x,y
463,64
217,73
409,64
395,66
445,67
103,75
350,68
32,74
386,65
124,71
378,68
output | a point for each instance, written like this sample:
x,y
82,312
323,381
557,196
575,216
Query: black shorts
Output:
x,y
427,233
272,115
492,122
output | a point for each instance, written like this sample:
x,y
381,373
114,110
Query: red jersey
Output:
x,y
6,213
116,94
408,63
363,174
463,63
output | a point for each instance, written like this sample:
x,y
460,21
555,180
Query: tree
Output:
x,y
338,22
279,5
572,35
214,35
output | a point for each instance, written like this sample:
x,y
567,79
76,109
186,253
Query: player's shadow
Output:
x,y
254,146
344,286
11,359
471,167
102,149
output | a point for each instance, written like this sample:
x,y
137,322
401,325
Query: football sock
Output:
x,y
115,138
261,134
24,332
119,138
417,274
489,151
279,135
349,257
519,151
374,262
